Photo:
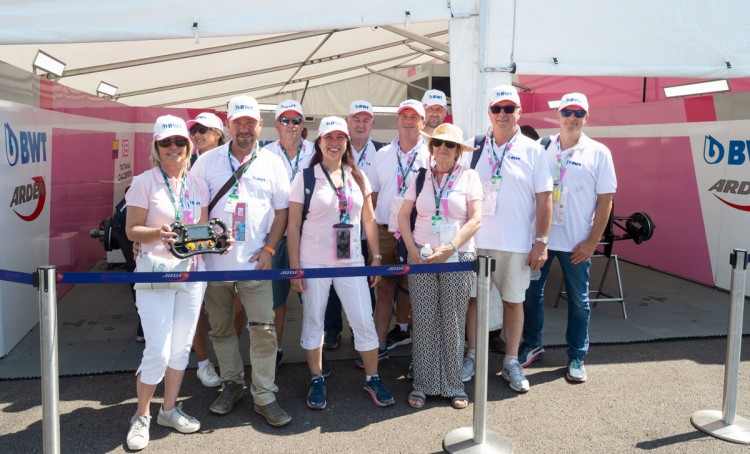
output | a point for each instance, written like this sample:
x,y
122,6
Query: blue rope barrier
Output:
x,y
210,276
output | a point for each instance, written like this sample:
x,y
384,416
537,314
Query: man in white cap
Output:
x,y
296,153
360,121
435,108
517,188
392,171
584,184
255,189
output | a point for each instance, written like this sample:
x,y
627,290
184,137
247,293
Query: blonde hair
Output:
x,y
156,159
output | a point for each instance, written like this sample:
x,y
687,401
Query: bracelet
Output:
x,y
377,256
453,245
270,250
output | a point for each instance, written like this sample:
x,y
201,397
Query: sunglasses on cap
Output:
x,y
199,129
166,143
438,143
507,109
568,112
296,121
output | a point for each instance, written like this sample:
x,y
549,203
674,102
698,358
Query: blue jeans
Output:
x,y
576,279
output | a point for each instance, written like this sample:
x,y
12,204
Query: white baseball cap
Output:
x,y
574,99
289,104
207,119
168,126
243,106
360,106
505,93
434,98
330,124
413,104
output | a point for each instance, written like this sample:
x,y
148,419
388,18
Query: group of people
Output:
x,y
428,196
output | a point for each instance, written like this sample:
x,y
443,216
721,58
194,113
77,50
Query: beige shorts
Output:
x,y
511,276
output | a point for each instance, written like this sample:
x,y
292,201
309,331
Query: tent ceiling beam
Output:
x,y
395,79
418,38
309,57
444,58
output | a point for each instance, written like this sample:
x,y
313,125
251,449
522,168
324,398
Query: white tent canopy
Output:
x,y
297,44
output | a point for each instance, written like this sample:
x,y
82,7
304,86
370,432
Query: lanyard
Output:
x,y
403,173
559,165
362,156
253,155
439,197
343,195
171,195
295,166
497,165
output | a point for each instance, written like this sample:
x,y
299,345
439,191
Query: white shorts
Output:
x,y
511,276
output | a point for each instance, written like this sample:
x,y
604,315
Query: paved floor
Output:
x,y
648,374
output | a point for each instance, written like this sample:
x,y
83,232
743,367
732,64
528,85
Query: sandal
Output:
x,y
460,401
417,399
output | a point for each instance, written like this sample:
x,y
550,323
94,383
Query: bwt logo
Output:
x,y
170,125
288,106
28,193
243,107
362,106
435,97
504,93
713,151
32,146
292,274
573,100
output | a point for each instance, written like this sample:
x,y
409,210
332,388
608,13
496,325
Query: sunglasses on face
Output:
x,y
436,143
507,109
166,143
296,121
199,129
568,112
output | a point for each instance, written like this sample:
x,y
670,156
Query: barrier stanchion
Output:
x,y
47,286
725,424
477,438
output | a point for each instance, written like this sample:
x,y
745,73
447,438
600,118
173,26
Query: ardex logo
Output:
x,y
30,192
175,277
731,187
292,274
398,269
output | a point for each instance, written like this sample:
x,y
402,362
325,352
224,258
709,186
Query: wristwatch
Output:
x,y
542,239
377,256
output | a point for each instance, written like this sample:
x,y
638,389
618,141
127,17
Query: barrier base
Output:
x,y
462,440
712,422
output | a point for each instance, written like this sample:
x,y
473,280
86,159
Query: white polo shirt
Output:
x,y
589,171
365,157
264,187
305,156
385,169
524,173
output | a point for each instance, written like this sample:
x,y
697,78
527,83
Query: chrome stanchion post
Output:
x,y
477,438
725,424
47,286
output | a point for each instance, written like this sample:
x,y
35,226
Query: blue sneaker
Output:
x,y
576,371
379,395
529,354
316,397
382,354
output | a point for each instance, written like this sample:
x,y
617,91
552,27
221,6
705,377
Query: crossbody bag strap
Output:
x,y
230,182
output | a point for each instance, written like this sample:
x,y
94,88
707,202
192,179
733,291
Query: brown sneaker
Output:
x,y
274,415
231,392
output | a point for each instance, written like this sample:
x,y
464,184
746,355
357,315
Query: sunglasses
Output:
x,y
568,112
296,121
438,143
166,143
507,109
199,129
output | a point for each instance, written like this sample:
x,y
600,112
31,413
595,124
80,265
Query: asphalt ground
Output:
x,y
639,398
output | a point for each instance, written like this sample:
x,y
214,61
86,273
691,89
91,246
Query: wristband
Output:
x,y
270,250
377,256
453,245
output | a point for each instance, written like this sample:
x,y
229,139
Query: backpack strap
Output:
x,y
545,142
478,149
419,184
378,145
308,178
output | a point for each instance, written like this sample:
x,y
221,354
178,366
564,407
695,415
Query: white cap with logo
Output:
x,y
331,124
504,93
359,107
207,119
243,106
413,104
168,126
434,98
289,104
574,99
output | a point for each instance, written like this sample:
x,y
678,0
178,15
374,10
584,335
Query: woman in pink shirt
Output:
x,y
157,198
340,207
449,212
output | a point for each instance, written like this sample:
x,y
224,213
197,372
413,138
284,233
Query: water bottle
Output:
x,y
426,251
536,274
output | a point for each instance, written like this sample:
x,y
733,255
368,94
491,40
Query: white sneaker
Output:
x,y
513,372
138,433
208,376
467,370
178,420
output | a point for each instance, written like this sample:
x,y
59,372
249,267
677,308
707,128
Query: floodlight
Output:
x,y
553,103
267,107
384,109
106,90
49,64
699,88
